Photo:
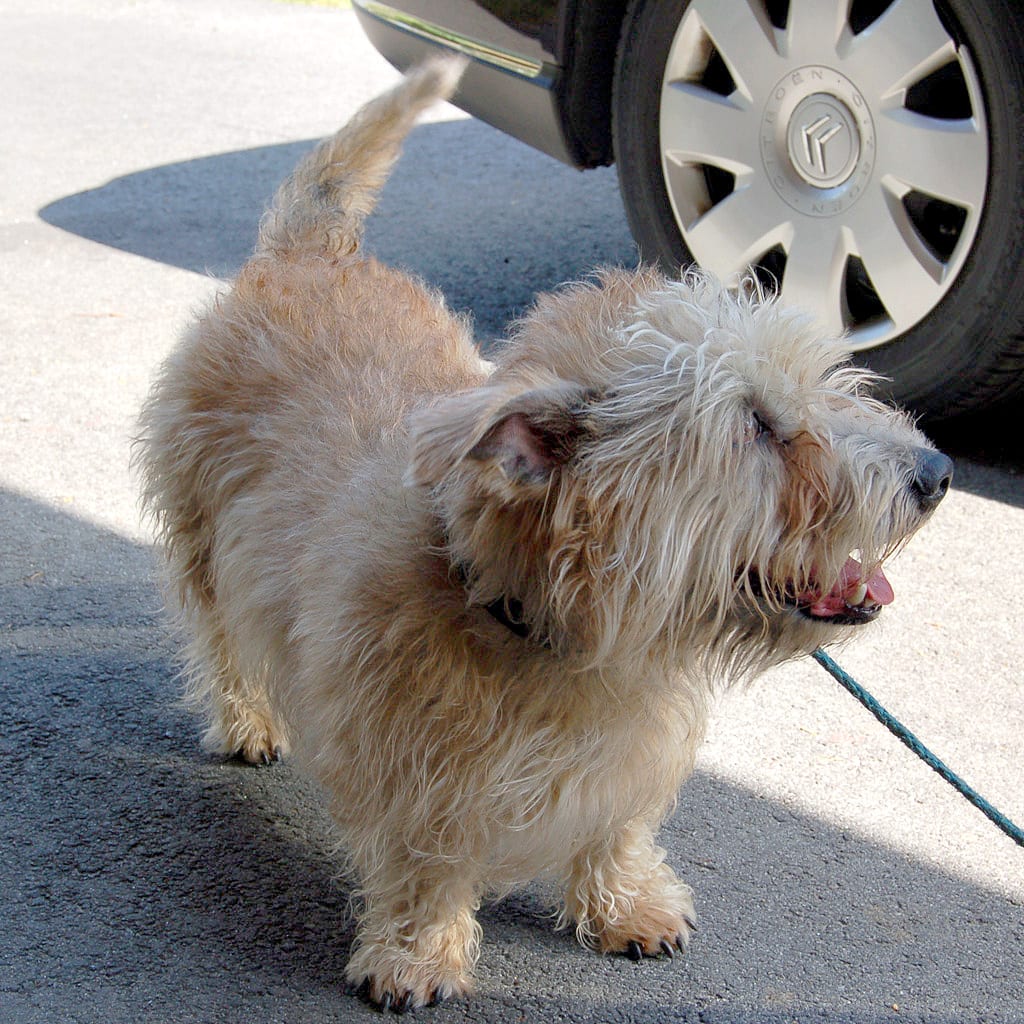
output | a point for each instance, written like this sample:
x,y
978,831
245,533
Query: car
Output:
x,y
863,158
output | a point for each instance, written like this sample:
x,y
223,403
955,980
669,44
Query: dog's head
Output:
x,y
663,467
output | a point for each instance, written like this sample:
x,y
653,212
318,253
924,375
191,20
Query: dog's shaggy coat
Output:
x,y
487,606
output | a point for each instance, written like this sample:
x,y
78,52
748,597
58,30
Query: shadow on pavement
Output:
x,y
513,231
988,449
146,881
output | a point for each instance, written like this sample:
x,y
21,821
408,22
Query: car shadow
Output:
x,y
144,880
517,227
988,450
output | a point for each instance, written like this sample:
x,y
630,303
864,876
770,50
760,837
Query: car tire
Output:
x,y
720,164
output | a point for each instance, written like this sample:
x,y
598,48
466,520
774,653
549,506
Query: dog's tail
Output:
x,y
321,207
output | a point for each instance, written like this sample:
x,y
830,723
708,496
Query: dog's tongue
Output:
x,y
879,591
879,588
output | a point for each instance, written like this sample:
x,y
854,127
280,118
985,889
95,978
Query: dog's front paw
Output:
x,y
419,964
645,913
399,984
390,994
650,931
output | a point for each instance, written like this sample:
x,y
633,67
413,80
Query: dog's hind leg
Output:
x,y
239,717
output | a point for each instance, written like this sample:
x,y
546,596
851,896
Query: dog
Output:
x,y
486,605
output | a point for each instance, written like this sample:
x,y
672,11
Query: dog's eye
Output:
x,y
757,427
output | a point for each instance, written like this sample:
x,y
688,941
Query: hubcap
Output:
x,y
847,164
817,141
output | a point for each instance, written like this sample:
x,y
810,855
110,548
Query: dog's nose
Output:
x,y
933,473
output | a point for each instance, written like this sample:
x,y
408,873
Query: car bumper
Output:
x,y
516,93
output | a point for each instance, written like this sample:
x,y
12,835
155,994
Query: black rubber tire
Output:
x,y
968,352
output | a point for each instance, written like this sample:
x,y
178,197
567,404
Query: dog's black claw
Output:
x,y
634,951
437,998
690,923
385,1002
278,754
266,758
405,1003
667,949
680,943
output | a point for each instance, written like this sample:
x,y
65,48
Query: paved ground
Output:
x,y
837,878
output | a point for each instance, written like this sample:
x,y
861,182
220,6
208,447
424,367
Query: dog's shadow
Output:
x,y
476,214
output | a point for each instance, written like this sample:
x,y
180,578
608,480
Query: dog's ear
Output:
x,y
525,437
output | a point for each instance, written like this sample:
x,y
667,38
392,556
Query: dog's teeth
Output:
x,y
858,595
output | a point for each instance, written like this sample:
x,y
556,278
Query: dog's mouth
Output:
x,y
856,598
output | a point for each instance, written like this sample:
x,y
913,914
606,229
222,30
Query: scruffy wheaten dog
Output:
x,y
487,607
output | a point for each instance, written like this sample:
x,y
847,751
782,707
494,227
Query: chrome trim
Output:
x,y
484,52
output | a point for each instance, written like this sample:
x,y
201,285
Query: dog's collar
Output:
x,y
506,610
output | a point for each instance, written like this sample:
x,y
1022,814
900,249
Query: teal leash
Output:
x,y
1015,832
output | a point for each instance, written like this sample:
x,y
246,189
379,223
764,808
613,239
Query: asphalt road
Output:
x,y
837,878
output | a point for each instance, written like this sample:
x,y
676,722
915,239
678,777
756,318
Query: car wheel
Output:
x,y
864,157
